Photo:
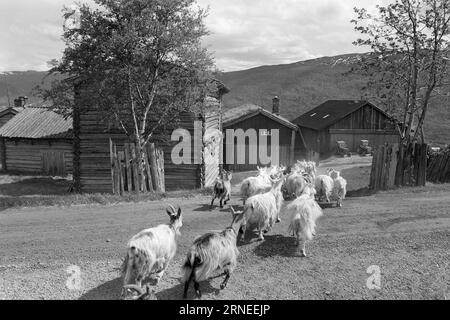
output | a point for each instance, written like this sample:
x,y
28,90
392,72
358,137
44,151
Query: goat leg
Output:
x,y
225,281
212,202
198,293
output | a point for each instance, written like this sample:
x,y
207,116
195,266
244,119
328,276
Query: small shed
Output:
x,y
249,117
346,120
38,141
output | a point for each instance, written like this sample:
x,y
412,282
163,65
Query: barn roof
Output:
x,y
330,112
246,111
5,110
36,123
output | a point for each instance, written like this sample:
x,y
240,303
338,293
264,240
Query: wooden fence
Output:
x,y
398,165
125,173
439,168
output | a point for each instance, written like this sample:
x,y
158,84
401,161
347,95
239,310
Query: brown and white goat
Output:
x,y
212,252
150,251
222,189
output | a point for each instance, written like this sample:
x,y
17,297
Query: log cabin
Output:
x,y
37,141
252,116
92,154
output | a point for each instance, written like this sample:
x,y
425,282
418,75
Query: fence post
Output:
x,y
111,153
154,167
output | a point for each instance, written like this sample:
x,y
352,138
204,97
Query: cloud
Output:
x,y
244,33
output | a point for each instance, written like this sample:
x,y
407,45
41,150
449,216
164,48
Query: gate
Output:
x,y
125,169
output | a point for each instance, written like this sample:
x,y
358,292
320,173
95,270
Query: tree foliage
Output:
x,y
142,62
409,62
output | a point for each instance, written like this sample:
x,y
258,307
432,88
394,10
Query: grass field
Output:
x,y
406,232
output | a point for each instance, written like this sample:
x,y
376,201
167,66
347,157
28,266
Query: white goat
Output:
x,y
222,189
340,186
212,252
304,212
263,210
324,187
294,185
151,250
257,185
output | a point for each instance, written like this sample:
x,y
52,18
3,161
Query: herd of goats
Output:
x,y
150,251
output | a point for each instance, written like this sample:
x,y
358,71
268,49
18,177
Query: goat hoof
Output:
x,y
223,286
198,294
278,220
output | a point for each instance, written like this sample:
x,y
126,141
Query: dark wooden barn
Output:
x,y
92,166
346,120
38,141
264,122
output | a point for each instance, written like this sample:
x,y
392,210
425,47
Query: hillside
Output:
x,y
301,86
304,85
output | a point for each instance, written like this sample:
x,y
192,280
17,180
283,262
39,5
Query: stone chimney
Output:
x,y
20,102
276,106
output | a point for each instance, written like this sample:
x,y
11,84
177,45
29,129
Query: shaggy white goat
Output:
x,y
151,250
294,185
304,212
214,251
222,189
340,186
263,210
324,187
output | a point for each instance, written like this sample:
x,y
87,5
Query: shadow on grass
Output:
x,y
360,193
110,290
176,292
277,245
35,186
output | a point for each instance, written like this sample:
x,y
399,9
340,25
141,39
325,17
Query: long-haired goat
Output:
x,y
261,183
214,251
340,186
222,189
324,187
150,251
304,212
263,210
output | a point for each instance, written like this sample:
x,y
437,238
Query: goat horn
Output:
x,y
134,287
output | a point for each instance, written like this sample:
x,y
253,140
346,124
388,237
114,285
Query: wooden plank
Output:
x,y
128,167
148,172
393,166
292,150
161,170
135,169
154,167
111,150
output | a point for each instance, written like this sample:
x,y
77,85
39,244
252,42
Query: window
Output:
x,y
326,116
313,115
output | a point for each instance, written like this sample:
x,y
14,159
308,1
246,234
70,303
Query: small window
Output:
x,y
326,116
313,115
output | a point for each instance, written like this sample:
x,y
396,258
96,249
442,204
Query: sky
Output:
x,y
244,33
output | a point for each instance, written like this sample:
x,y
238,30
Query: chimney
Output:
x,y
276,106
20,102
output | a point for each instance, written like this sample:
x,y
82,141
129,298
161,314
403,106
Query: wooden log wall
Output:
x,y
38,156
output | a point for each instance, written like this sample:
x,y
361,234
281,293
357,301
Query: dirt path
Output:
x,y
406,233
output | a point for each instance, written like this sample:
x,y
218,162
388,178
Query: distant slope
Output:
x,y
301,86
304,85
21,84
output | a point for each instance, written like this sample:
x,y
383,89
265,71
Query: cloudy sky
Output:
x,y
245,33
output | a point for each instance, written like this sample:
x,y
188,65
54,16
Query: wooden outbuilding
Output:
x,y
92,151
264,122
37,141
346,120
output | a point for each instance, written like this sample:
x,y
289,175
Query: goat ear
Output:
x,y
170,210
179,213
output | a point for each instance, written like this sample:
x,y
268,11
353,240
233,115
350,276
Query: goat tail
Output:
x,y
189,266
